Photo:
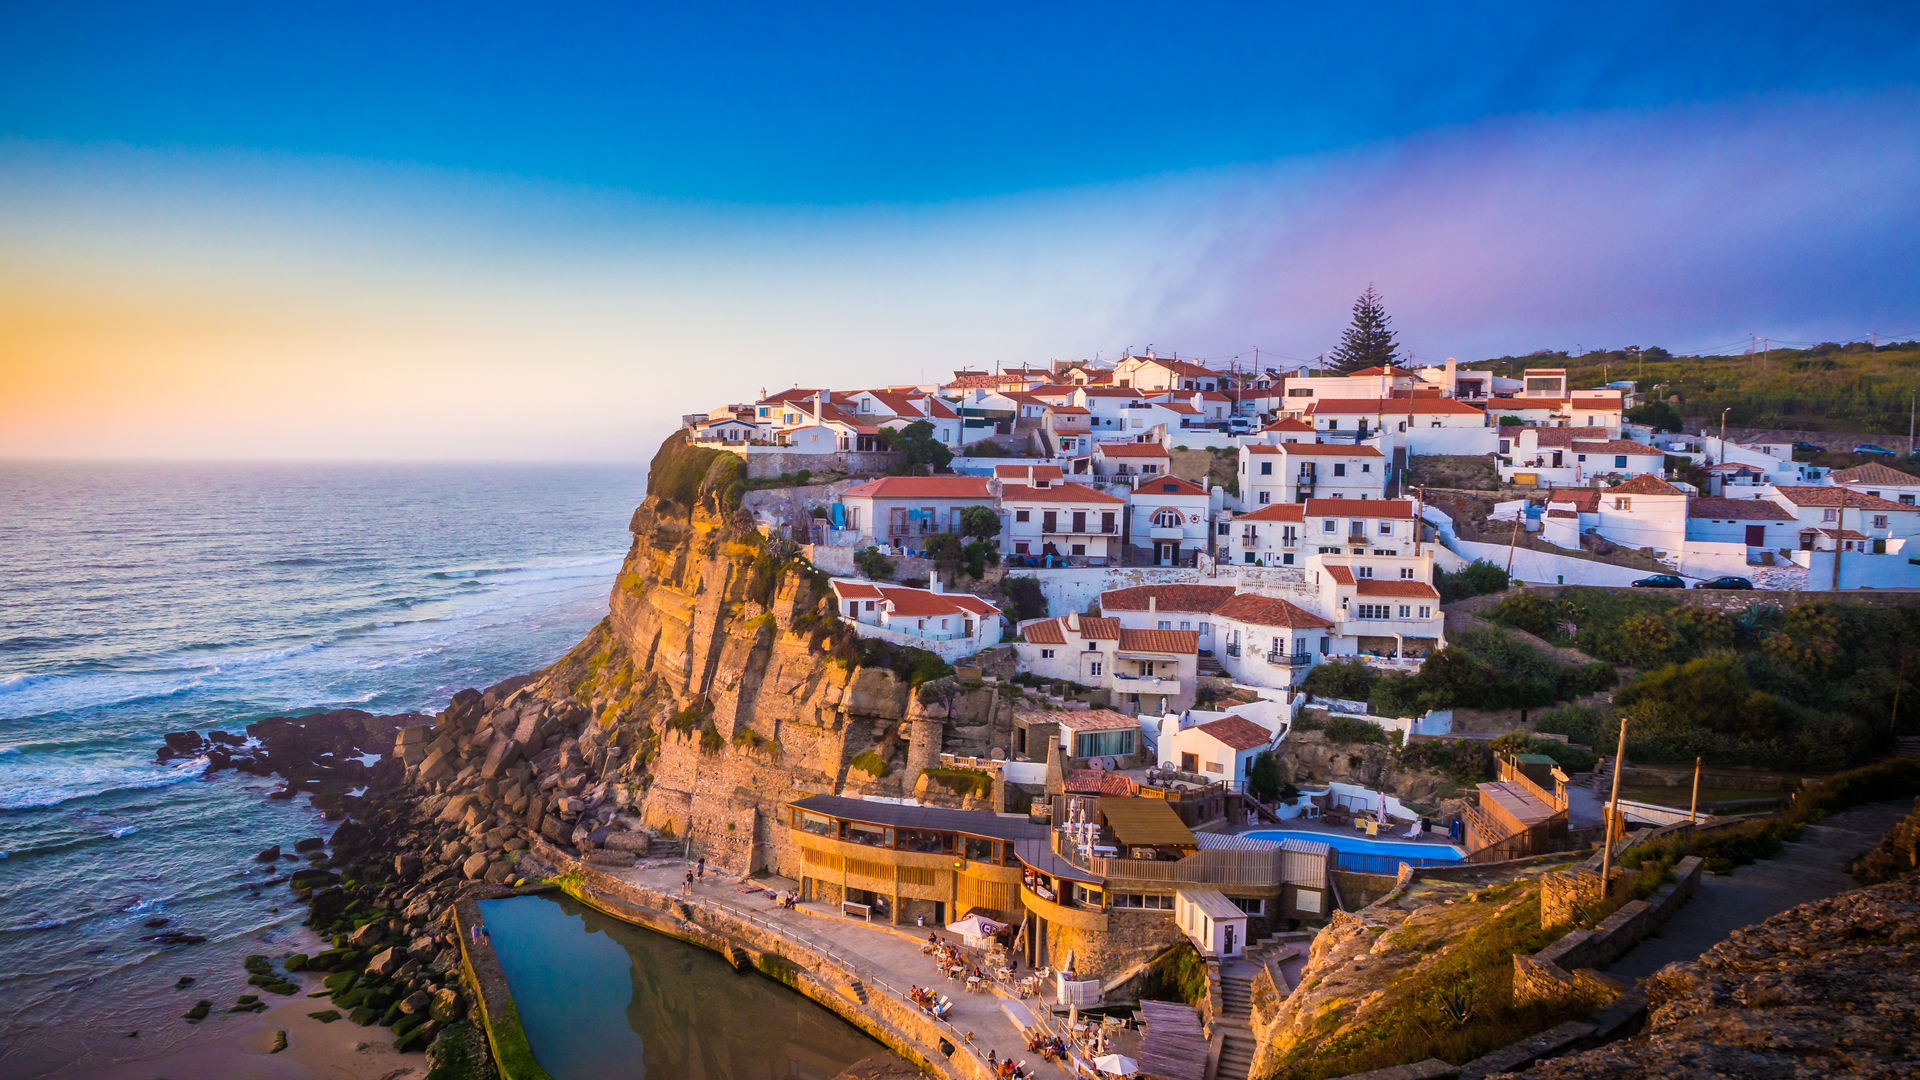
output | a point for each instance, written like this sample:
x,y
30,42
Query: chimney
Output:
x,y
933,583
1153,604
816,406
1073,621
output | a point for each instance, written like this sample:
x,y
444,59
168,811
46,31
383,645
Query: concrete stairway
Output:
x,y
1234,1021
1209,665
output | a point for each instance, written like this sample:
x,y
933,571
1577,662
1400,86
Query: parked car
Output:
x,y
1239,425
1728,582
1660,581
1808,448
1871,448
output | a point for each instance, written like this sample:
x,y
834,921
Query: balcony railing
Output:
x,y
1292,660
1145,684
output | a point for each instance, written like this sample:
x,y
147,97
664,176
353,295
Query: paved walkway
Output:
x,y
888,955
1809,868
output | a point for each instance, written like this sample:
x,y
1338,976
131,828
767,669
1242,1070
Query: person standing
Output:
x,y
701,866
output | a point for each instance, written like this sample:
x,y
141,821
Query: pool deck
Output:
x,y
1436,837
893,955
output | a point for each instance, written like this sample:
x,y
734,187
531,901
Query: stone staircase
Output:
x,y
739,958
1602,781
859,990
1234,1022
1907,746
1209,666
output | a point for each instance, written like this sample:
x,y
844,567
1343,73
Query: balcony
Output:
x,y
1357,537
1145,684
1166,532
1290,660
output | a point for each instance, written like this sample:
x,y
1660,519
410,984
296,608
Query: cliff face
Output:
x,y
718,688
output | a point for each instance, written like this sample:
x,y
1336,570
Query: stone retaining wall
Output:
x,y
829,981
1625,928
506,1040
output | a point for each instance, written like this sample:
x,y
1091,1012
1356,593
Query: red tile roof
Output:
x,y
1419,406
1044,632
1091,720
1644,484
1166,597
1168,485
1585,500
921,487
1064,493
1390,587
917,603
1558,436
1023,472
1737,510
1341,575
1186,642
1612,446
1237,732
1268,611
1131,449
1276,512
1379,508
1287,424
1873,473
1833,496
856,590
1053,631
1313,449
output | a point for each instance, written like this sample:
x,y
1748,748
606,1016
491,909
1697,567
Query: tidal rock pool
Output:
x,y
601,999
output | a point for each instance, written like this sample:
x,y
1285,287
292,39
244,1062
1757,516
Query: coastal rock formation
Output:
x,y
1830,988
719,687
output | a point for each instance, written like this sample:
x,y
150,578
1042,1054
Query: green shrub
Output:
x,y
1350,680
873,565
963,781
870,763
1024,598
1346,729
1477,578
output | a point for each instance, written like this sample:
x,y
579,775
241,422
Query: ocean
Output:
x,y
141,599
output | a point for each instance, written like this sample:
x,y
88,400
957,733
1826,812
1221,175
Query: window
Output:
x,y
1365,467
1266,468
1287,559
1365,571
1879,521
1116,743
1092,647
1095,669
1426,612
1329,525
1022,515
1164,624
816,824
1148,901
1186,624
1619,461
1249,557
1086,895
1829,515
1386,528
1906,500
1406,573
1020,547
978,849
1623,503
1373,611
1266,497
1250,905
1079,549
1166,518
1405,611
1339,468
1225,528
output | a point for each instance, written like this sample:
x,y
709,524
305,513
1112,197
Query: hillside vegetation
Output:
x,y
1827,387
1811,685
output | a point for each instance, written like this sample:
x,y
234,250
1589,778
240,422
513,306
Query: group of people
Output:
x,y
1049,1047
1005,1067
932,1002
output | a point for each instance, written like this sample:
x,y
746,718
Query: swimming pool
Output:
x,y
1366,855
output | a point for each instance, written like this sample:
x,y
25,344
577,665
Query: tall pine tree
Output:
x,y
1369,342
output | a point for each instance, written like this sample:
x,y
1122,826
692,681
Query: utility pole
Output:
x,y
1693,808
1723,433
1910,400
1613,811
1514,541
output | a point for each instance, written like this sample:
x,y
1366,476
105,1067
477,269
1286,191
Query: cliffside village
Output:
x,y
1144,827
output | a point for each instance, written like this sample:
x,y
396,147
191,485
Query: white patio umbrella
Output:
x,y
1117,1064
976,929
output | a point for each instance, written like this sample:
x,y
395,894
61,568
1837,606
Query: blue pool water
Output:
x,y
1368,856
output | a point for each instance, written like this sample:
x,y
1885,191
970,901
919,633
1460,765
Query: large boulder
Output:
x,y
385,963
475,865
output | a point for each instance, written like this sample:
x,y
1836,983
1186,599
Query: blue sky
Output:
x,y
205,204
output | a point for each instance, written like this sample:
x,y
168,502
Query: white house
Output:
x,y
1295,472
1168,520
1385,606
902,511
1880,482
1167,607
1160,373
1362,417
1151,671
1222,750
1267,641
951,625
1758,524
1831,514
1065,524
1068,429
1216,925
1125,462
1644,512
1360,526
1572,456
1268,536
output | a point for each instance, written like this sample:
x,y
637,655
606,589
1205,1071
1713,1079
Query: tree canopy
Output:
x,y
1369,341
